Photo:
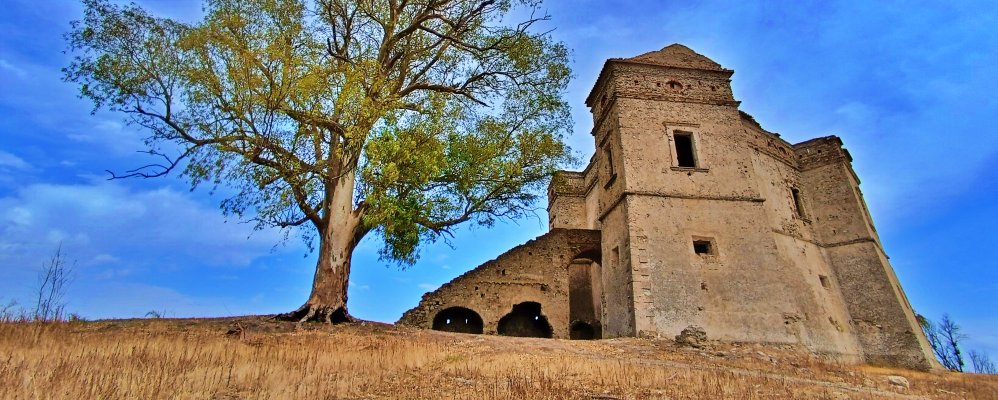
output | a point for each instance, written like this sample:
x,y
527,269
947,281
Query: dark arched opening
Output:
x,y
582,330
458,319
525,320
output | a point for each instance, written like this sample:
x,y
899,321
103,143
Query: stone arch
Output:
x,y
458,319
526,320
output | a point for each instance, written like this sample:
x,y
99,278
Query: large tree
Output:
x,y
401,118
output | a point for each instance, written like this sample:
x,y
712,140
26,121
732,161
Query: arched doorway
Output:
x,y
458,319
585,305
525,320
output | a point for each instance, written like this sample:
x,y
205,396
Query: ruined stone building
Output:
x,y
690,213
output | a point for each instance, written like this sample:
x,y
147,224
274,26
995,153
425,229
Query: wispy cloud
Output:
x,y
119,138
117,232
12,161
11,68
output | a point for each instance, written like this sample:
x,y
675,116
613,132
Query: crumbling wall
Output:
x,y
534,272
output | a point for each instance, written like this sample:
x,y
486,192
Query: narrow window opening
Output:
x,y
702,247
674,85
797,202
824,281
609,159
684,149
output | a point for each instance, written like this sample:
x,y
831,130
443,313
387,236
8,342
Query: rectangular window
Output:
x,y
797,202
610,173
703,247
609,159
684,149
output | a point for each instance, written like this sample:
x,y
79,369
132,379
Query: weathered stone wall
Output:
x,y
881,316
536,271
618,279
739,200
581,306
567,201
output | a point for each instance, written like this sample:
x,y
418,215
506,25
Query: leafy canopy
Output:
x,y
428,113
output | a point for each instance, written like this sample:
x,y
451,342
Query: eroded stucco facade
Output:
x,y
690,213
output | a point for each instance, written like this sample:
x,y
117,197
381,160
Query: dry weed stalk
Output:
x,y
161,359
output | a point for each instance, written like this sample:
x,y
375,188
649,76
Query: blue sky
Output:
x,y
908,87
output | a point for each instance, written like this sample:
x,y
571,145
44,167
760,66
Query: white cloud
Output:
x,y
7,66
12,161
119,138
119,237
103,258
427,286
100,222
18,216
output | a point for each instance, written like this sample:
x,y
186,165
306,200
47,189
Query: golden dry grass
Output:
x,y
197,359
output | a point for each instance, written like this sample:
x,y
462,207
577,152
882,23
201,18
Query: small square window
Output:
x,y
703,247
824,281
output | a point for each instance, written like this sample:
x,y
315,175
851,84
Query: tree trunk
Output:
x,y
337,239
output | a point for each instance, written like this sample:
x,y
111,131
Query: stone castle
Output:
x,y
690,213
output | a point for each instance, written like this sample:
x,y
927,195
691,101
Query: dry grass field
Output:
x,y
202,359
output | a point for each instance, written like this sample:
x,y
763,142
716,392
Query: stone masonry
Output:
x,y
690,213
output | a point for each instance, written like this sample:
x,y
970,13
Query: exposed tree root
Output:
x,y
317,313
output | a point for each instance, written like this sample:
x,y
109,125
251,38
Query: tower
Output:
x,y
708,219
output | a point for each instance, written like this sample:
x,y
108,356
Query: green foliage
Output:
x,y
425,114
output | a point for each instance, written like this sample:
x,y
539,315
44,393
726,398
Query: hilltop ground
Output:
x,y
258,358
